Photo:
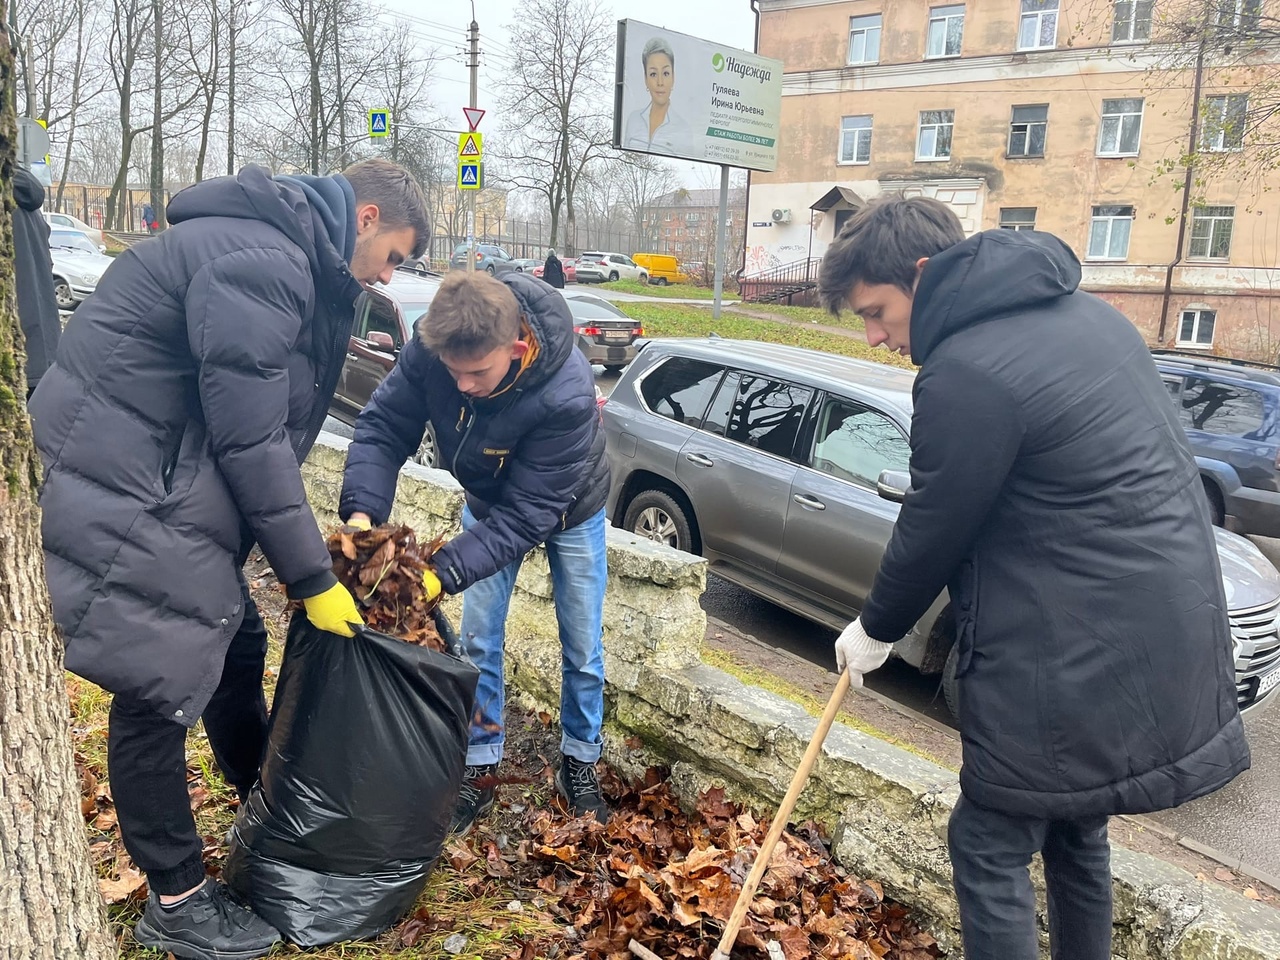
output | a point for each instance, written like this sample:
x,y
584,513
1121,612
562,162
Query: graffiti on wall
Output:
x,y
759,258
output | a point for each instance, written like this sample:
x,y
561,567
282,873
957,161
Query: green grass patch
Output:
x,y
749,674
684,320
677,291
816,315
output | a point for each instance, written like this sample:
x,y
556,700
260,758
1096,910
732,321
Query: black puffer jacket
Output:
x,y
1053,490
33,277
185,395
530,457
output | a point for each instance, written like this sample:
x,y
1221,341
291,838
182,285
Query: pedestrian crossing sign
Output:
x,y
468,176
379,122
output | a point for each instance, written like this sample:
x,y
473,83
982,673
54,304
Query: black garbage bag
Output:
x,y
365,754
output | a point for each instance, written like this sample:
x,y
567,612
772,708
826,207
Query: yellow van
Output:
x,y
663,268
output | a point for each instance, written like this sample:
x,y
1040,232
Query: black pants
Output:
x,y
147,761
990,856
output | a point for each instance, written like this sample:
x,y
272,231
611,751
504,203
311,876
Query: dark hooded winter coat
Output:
x,y
553,271
530,456
1054,492
33,277
185,396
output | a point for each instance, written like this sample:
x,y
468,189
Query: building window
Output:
x,y
1109,233
946,31
1238,16
1121,130
855,140
1211,232
1027,130
934,141
1038,29
1224,122
864,39
1017,218
1132,23
1196,328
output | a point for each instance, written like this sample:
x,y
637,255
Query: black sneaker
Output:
x,y
577,783
474,800
208,925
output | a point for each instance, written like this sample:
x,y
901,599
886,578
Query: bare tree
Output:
x,y
641,180
126,47
160,49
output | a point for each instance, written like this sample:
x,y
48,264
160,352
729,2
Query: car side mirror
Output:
x,y
893,485
382,341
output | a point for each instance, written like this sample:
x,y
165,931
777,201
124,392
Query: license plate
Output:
x,y
619,336
1268,682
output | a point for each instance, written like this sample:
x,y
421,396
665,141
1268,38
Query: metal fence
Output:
x,y
88,202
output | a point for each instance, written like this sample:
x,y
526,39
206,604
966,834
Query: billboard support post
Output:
x,y
721,230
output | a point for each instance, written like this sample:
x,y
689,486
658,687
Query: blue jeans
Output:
x,y
578,575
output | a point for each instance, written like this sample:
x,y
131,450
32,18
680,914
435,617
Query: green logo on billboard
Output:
x,y
717,63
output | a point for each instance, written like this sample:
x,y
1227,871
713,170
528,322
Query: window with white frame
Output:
x,y
1238,15
1211,232
864,39
946,31
855,140
1017,218
1132,21
1121,130
1109,232
1196,327
1224,122
934,139
1027,130
1038,28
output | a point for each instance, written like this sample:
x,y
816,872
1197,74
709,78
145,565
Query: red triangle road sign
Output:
x,y
473,115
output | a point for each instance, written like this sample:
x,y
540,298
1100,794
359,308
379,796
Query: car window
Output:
x,y
681,388
71,240
1221,408
61,221
760,412
380,316
1174,386
413,312
856,443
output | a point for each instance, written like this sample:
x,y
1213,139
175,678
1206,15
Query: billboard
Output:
x,y
678,96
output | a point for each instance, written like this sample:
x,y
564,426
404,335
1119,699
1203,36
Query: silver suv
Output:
x,y
785,468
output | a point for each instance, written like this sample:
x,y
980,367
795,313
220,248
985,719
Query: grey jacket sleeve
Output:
x,y
244,314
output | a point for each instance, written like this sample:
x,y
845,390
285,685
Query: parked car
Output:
x,y
785,468
1231,412
606,335
65,221
570,269
78,265
663,268
385,319
489,257
607,267
526,264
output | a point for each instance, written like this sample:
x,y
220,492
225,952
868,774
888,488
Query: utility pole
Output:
x,y
473,64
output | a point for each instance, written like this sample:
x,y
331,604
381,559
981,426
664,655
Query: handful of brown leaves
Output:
x,y
383,570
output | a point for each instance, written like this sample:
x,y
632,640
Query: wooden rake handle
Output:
x,y
780,820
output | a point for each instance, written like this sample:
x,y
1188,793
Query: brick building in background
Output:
x,y
684,222
1057,115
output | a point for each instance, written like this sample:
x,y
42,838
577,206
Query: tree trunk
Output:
x,y
50,908
231,88
157,116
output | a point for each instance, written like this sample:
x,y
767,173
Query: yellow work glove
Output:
x,y
431,583
360,522
333,611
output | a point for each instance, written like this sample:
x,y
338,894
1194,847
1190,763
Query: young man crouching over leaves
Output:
x,y
495,370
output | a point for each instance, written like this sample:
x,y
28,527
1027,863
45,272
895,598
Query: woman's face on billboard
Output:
x,y
659,78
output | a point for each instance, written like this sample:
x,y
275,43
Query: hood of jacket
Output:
x,y
547,316
316,213
28,192
990,274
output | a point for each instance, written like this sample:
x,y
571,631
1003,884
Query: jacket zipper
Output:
x,y
329,381
465,428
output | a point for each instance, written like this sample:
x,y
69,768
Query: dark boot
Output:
x,y
475,798
577,782
208,925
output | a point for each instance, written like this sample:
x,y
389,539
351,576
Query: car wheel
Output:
x,y
656,516
644,278
489,269
661,281
1217,510
614,367
62,294
613,275
428,454
951,685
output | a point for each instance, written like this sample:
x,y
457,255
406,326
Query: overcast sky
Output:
x,y
444,23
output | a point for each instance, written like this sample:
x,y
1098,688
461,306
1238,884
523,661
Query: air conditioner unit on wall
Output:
x,y
781,216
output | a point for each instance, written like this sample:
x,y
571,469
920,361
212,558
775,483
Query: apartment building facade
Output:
x,y
1060,115
683,220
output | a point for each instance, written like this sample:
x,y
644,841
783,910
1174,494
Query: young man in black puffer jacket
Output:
x,y
495,370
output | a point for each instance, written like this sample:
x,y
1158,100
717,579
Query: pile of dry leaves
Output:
x,y
670,880
383,570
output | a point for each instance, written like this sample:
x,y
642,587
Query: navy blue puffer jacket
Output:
x,y
530,457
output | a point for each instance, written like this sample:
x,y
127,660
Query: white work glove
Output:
x,y
858,653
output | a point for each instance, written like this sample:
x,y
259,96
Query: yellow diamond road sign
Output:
x,y
470,146
468,176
